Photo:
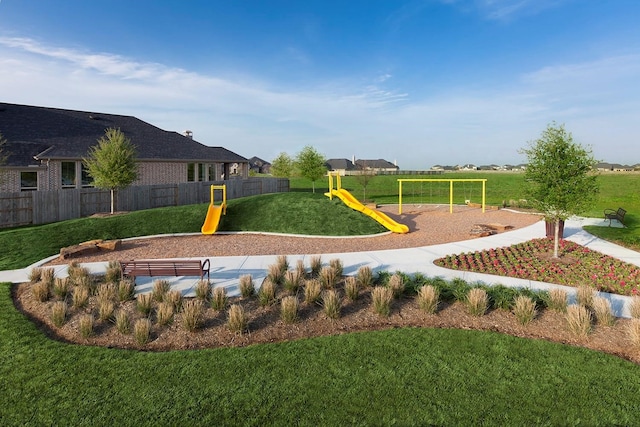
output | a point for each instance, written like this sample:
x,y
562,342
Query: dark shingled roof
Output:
x,y
337,164
52,133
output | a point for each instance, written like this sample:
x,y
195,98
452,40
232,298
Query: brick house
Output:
x,y
45,147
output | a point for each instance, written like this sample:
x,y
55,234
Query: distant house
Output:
x,y
342,166
257,165
46,147
378,165
468,167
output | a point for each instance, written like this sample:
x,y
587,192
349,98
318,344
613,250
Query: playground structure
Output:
x,y
214,212
354,204
450,181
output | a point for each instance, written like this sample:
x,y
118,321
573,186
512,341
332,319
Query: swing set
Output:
x,y
450,181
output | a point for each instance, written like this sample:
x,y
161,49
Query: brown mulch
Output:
x,y
429,225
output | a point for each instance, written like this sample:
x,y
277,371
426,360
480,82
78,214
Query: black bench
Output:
x,y
613,214
165,267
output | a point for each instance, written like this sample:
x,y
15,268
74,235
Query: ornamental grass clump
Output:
x,y
47,275
292,281
337,265
331,304
579,320
381,297
160,289
164,313
351,288
219,298
61,287
237,319
175,298
267,293
301,269
315,264
557,300
192,313
275,274
328,277
602,310
105,309
35,274
477,302
524,308
123,325
80,296
85,324
584,295
113,272
142,331
144,303
203,290
633,331
289,309
396,284
283,263
428,298
247,288
126,290
106,292
59,313
41,291
634,307
76,272
364,276
312,291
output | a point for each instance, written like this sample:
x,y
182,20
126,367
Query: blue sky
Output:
x,y
422,82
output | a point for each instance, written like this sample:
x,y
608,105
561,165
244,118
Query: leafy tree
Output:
x,y
282,166
311,165
112,163
560,177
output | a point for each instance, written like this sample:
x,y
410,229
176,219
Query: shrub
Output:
x,y
477,301
267,293
164,313
501,297
312,290
219,298
59,313
316,265
382,297
291,282
247,289
122,322
459,289
80,296
126,290
203,290
331,304
579,320
160,289
105,309
633,331
41,291
364,276
113,272
61,287
602,311
85,324
524,308
396,284
142,331
558,300
428,296
175,298
192,311
289,309
143,303
35,274
237,320
584,295
328,277
634,307
337,265
275,274
351,288
106,292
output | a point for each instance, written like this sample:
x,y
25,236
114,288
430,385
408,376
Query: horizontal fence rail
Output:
x,y
41,207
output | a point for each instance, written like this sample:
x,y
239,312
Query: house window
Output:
x,y
212,173
202,172
87,180
191,172
28,181
68,173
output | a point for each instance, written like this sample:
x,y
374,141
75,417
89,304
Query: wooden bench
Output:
x,y
613,214
165,267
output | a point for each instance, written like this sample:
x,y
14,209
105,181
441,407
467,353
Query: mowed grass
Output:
x,y
408,376
300,213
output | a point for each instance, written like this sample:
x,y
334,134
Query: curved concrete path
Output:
x,y
226,271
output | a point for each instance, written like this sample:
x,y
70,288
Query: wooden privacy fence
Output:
x,y
41,207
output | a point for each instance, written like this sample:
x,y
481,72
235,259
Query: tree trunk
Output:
x,y
555,239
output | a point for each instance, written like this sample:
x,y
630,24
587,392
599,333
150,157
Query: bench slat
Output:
x,y
152,268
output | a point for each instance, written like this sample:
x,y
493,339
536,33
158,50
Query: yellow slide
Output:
x,y
382,218
212,220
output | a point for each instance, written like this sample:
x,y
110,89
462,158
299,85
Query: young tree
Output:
x,y
364,176
560,177
112,163
282,166
311,165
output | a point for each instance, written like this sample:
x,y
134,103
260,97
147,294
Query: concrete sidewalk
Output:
x,y
226,271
